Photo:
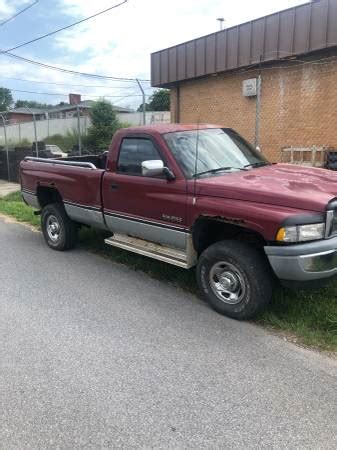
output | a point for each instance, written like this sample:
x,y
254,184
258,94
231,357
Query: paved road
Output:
x,y
95,355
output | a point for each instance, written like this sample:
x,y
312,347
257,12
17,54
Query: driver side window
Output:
x,y
133,152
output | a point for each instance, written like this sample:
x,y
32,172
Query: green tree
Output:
x,y
160,100
31,104
6,99
104,124
140,107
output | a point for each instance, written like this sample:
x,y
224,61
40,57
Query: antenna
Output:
x,y
196,163
221,21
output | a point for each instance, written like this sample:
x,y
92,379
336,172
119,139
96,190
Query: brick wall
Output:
x,y
16,118
298,105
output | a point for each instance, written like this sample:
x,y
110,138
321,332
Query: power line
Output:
x,y
120,100
61,69
18,13
72,72
64,28
67,84
127,96
66,95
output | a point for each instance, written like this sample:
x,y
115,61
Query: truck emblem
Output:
x,y
172,218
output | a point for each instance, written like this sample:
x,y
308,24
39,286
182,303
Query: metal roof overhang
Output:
x,y
289,33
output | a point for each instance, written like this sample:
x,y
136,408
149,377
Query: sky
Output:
x,y
117,44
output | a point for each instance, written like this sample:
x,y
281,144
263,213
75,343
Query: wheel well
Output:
x,y
206,231
47,195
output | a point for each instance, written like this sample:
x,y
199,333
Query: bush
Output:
x,y
67,142
104,125
25,142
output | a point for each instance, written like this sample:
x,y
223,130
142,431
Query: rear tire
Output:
x,y
59,231
235,279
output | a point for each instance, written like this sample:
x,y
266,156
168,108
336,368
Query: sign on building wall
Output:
x,y
249,87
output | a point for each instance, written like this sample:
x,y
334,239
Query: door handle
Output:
x,y
114,186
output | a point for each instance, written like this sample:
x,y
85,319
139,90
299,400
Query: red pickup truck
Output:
x,y
196,196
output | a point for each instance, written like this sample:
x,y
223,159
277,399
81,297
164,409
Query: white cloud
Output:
x,y
6,8
67,84
10,7
119,43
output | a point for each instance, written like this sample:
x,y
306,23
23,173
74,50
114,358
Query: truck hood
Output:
x,y
286,185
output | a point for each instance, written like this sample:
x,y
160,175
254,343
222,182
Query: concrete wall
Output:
x,y
298,105
152,117
18,132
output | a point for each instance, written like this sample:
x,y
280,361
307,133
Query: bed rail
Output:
x,y
85,165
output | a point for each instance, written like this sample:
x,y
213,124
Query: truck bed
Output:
x,y
76,181
99,161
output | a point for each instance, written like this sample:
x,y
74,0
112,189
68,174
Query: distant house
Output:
x,y
75,104
25,114
70,110
19,115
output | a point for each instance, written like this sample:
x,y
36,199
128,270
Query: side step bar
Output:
x,y
167,254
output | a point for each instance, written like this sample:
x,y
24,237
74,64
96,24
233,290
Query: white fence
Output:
x,y
44,128
152,117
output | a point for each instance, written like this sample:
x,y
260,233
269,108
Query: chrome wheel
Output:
x,y
227,283
53,228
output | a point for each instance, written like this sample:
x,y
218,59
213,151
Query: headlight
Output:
x,y
301,233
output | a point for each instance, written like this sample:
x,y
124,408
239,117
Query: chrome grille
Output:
x,y
331,223
334,224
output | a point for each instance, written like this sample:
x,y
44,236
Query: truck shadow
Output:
x,y
311,315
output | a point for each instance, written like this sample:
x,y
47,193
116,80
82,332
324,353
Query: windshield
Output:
x,y
218,150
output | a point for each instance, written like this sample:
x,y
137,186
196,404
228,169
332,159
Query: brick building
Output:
x,y
273,79
24,115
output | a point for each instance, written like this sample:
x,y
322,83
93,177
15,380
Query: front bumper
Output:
x,y
304,262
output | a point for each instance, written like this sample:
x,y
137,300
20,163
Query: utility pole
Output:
x,y
144,102
6,145
48,131
79,130
35,135
258,111
35,131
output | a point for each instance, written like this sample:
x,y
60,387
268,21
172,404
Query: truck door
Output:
x,y
151,208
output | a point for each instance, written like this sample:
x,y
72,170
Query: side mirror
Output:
x,y
152,168
156,167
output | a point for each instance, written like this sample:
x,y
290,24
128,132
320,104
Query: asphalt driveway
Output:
x,y
95,355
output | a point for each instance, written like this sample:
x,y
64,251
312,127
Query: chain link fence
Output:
x,y
28,137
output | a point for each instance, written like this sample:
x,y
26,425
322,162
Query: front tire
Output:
x,y
59,231
235,279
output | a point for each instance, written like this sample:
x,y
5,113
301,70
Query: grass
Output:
x,y
307,317
12,205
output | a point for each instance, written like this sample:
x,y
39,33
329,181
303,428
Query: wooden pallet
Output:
x,y
304,156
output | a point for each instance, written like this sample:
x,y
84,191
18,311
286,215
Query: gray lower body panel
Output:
x,y
304,262
150,232
91,217
31,199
